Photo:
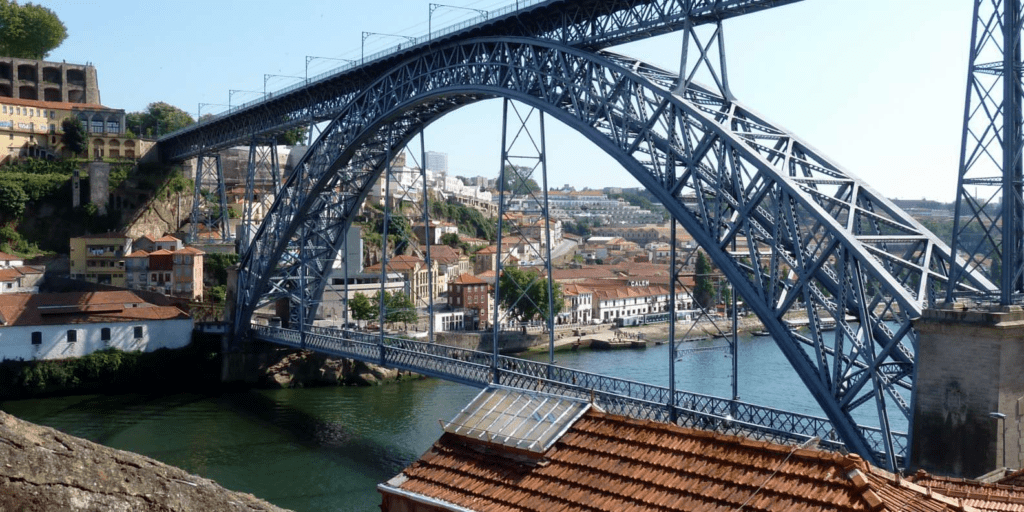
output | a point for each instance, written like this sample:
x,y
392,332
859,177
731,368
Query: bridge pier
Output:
x,y
967,413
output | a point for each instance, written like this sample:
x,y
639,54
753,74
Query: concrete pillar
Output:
x,y
969,366
99,185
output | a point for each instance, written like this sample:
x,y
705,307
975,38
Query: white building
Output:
x,y
74,324
437,162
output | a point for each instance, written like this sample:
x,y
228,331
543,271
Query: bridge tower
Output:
x,y
969,387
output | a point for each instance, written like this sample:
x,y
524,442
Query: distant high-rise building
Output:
x,y
437,162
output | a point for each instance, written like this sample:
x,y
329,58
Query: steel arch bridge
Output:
x,y
836,250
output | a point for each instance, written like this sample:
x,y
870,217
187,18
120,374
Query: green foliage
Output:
x,y
525,294
13,242
467,219
74,135
293,137
399,231
12,200
40,166
398,307
518,182
704,291
216,293
112,370
362,308
216,266
159,118
36,186
29,31
450,239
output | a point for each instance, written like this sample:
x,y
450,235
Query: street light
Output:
x,y
199,111
268,77
231,92
434,7
362,48
998,416
311,58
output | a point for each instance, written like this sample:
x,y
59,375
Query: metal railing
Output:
x,y
368,59
618,396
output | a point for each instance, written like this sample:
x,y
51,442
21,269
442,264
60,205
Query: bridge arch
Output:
x,y
815,240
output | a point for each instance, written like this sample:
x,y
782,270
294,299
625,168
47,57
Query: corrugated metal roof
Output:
x,y
528,421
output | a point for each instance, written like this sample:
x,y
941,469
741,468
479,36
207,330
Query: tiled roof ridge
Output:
x,y
936,494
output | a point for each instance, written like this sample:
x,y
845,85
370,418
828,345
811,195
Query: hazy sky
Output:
x,y
878,85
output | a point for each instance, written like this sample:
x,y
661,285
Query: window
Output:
x,y
37,338
138,332
72,335
105,334
96,126
113,126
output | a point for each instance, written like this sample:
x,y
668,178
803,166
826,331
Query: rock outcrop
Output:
x,y
42,469
307,368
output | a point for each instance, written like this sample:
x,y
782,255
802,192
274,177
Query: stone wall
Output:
x,y
968,367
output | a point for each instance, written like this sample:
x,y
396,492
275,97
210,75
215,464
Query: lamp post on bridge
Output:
x,y
433,7
199,111
231,92
267,77
311,58
362,47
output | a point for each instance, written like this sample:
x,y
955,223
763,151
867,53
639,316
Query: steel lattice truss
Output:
x,y
629,398
990,189
823,244
590,24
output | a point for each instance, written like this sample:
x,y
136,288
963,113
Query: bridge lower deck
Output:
x,y
618,396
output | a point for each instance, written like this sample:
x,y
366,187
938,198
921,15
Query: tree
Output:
x,y
12,200
29,31
517,180
294,137
450,239
73,137
398,307
704,291
525,294
158,118
361,307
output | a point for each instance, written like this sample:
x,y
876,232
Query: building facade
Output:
x,y
100,258
67,325
31,79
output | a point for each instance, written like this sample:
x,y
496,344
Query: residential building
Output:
x,y
414,270
437,162
100,258
569,455
434,232
162,265
33,129
10,261
74,324
450,265
579,304
20,279
470,292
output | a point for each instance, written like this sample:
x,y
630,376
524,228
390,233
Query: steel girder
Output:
x,y
816,240
589,24
989,227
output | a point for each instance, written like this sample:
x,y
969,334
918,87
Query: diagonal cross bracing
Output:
x,y
834,252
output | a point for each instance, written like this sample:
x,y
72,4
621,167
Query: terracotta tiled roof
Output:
x,y
31,270
444,255
400,263
613,463
189,250
9,274
167,238
138,254
7,257
490,249
575,289
467,279
622,292
161,252
1003,496
80,308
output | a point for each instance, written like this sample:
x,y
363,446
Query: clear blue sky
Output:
x,y
878,85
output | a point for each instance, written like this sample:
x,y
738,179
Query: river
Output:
x,y
327,448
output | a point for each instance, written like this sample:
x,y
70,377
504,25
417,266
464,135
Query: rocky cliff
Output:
x,y
42,469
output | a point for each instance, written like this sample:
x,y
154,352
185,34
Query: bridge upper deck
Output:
x,y
589,24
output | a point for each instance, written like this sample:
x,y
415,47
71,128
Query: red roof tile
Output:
x,y
612,463
80,308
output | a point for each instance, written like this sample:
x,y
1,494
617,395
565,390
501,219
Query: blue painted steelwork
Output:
x,y
725,173
590,24
989,225
619,396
